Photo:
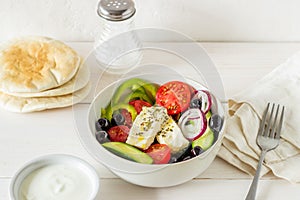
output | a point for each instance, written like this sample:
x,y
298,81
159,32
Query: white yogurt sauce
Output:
x,y
56,182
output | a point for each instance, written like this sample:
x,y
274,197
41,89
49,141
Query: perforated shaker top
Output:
x,y
116,10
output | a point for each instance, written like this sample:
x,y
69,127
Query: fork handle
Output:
x,y
252,191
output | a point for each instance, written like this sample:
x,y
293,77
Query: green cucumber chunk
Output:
x,y
206,140
128,152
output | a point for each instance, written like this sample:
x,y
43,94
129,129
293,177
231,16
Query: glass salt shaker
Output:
x,y
117,47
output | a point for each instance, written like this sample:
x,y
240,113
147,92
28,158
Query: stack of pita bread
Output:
x,y
39,73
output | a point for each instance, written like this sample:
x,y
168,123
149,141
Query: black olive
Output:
x,y
196,103
216,122
186,158
102,137
102,124
118,119
197,150
173,159
184,154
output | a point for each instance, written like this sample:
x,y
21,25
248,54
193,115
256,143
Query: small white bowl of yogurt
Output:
x,y
58,177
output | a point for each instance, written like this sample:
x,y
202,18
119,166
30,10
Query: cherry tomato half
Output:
x,y
138,105
160,153
175,96
118,133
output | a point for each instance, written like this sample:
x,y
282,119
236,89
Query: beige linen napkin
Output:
x,y
239,146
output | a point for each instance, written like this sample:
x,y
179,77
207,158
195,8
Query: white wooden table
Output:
x,y
26,136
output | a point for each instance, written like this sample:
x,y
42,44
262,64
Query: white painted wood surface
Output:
x,y
26,136
205,20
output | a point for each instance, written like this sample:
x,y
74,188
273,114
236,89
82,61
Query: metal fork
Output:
x,y
267,139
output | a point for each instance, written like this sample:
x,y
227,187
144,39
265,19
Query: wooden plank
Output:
x,y
4,188
26,136
201,189
242,63
116,189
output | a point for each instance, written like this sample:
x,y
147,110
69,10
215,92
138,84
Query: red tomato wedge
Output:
x,y
118,133
160,153
138,105
175,96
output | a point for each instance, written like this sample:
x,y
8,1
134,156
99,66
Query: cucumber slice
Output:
x,y
128,152
206,140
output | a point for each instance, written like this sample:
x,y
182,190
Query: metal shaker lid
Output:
x,y
116,10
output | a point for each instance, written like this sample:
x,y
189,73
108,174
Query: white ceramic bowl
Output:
x,y
48,160
144,174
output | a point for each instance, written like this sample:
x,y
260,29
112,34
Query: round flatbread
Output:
x,y
31,104
35,64
76,83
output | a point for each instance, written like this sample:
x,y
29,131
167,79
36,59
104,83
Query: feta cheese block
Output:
x,y
146,126
172,136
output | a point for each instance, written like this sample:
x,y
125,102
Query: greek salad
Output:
x,y
158,124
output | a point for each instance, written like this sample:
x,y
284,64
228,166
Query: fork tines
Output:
x,y
272,128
